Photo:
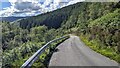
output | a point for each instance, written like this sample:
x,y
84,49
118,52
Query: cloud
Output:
x,y
33,7
72,1
7,11
27,6
21,8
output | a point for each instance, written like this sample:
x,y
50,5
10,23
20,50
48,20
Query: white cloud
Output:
x,y
74,1
7,11
33,7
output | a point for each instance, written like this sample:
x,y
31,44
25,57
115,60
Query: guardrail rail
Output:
x,y
35,56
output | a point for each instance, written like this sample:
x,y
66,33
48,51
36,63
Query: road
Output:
x,y
73,52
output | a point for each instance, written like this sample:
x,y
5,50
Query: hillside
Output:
x,y
54,19
95,23
10,19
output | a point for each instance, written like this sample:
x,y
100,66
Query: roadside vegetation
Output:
x,y
97,24
103,35
20,44
96,45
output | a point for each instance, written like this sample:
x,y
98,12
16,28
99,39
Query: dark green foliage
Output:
x,y
50,19
19,44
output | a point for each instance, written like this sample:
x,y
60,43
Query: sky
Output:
x,y
23,8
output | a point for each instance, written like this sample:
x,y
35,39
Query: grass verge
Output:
x,y
96,45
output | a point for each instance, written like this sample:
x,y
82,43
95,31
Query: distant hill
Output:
x,y
10,19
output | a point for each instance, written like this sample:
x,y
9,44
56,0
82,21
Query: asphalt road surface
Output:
x,y
73,52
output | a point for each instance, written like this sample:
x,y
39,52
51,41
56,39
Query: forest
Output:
x,y
97,25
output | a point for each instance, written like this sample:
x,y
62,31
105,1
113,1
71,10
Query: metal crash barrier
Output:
x,y
35,56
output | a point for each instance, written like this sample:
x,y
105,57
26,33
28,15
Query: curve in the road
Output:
x,y
73,52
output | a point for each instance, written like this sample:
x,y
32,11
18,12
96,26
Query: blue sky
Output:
x,y
22,8
5,4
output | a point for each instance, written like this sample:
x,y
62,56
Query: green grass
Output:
x,y
101,48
